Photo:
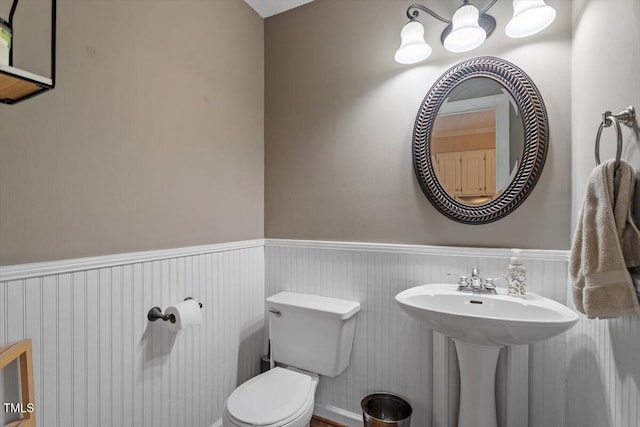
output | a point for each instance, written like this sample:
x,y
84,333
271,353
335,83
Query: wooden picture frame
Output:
x,y
22,351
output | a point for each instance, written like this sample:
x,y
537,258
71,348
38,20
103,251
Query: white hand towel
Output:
x,y
606,243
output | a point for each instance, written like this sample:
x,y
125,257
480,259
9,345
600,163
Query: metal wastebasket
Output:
x,y
385,410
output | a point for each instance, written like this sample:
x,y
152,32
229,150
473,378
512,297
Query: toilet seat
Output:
x,y
274,398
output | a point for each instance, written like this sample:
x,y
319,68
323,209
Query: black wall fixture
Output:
x,y
19,85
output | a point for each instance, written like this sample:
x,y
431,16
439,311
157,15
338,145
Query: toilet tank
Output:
x,y
311,332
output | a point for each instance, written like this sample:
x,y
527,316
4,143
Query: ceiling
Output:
x,y
267,8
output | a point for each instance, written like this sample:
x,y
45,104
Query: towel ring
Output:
x,y
626,117
618,142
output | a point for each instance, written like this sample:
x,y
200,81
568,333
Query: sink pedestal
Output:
x,y
477,385
480,325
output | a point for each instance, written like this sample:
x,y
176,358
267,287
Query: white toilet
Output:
x,y
311,336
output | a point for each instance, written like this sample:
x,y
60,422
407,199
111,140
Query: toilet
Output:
x,y
310,336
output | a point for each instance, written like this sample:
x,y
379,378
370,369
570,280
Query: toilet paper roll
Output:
x,y
185,313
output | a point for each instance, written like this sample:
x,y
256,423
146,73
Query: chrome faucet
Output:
x,y
476,280
476,284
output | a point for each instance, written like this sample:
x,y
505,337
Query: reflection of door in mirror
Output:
x,y
463,147
483,137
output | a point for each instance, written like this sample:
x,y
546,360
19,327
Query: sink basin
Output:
x,y
480,324
488,320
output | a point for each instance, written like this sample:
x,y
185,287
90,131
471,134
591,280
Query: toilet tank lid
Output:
x,y
331,307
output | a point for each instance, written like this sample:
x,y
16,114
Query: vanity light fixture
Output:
x,y
529,17
413,48
470,27
466,33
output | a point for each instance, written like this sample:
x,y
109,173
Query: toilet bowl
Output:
x,y
311,335
277,398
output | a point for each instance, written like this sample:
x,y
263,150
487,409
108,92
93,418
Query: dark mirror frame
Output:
x,y
536,139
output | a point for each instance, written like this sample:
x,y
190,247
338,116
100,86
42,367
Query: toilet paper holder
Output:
x,y
156,314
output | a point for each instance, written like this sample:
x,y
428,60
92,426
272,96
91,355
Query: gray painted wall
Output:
x,y
339,115
152,139
603,371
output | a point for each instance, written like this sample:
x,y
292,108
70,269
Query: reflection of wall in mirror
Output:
x,y
516,140
474,130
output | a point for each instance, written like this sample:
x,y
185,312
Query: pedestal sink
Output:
x,y
480,324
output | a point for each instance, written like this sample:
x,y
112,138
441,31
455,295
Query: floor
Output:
x,y
322,422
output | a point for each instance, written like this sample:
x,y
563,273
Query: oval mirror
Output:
x,y
480,140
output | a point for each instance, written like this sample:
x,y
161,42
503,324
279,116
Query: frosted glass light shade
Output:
x,y
466,33
529,17
412,48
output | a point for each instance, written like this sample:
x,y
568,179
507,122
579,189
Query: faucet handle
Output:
x,y
463,281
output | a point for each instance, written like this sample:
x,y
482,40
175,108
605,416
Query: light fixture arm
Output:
x,y
489,6
418,7
414,10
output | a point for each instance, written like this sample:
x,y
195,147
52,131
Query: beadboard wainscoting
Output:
x,y
99,362
393,352
603,387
